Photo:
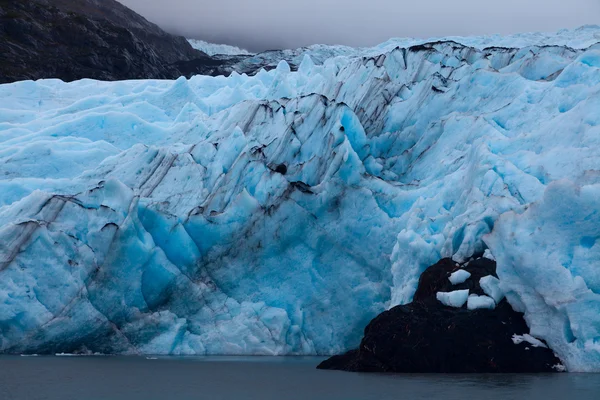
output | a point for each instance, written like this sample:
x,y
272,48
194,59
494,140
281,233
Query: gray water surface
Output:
x,y
264,378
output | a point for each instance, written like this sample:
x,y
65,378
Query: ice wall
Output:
x,y
277,214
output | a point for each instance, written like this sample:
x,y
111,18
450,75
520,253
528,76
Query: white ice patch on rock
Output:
x,y
459,276
517,339
559,368
456,299
476,302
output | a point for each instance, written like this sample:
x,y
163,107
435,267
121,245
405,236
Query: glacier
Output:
x,y
279,213
213,49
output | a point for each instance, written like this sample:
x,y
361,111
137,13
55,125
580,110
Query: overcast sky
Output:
x,y
271,24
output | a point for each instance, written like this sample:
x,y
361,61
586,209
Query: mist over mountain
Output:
x,y
261,25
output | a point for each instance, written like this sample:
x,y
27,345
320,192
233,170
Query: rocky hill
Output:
x,y
75,39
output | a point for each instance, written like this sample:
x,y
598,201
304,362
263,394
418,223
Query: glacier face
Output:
x,y
279,213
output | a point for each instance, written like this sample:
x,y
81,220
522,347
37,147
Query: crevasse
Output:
x,y
279,213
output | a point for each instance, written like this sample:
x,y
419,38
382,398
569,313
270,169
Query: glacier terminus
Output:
x,y
277,213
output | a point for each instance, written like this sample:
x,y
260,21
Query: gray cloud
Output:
x,y
270,24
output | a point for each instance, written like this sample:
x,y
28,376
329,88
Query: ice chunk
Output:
x,y
491,287
457,298
459,276
475,302
283,67
517,339
306,66
488,254
559,368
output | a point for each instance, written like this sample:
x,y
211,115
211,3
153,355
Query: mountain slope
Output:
x,y
74,39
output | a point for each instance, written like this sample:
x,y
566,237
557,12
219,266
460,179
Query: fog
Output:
x,y
269,24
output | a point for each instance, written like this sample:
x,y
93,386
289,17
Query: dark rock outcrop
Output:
x,y
98,39
435,278
426,336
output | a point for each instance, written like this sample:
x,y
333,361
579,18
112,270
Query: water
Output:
x,y
264,378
